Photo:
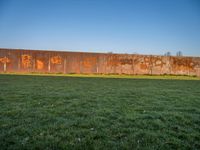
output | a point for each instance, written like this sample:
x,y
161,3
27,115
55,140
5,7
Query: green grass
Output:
x,y
63,112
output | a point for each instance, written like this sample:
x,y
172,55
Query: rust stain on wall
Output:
x,y
56,60
158,62
88,62
26,61
126,61
113,61
78,62
39,64
143,62
4,60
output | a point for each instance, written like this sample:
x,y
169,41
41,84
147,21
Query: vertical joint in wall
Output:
x,y
49,64
64,64
4,67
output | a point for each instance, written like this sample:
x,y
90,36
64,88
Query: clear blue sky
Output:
x,y
120,26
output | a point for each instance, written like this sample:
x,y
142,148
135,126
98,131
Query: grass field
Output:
x,y
63,112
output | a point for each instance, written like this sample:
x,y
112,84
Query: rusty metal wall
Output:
x,y
12,60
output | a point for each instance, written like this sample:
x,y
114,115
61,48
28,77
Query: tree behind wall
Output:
x,y
179,53
167,54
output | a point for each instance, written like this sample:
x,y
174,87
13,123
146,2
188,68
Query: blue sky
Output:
x,y
119,26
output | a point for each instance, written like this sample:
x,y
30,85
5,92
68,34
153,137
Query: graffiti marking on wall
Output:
x,y
56,60
182,65
89,62
39,64
144,63
158,62
4,60
26,61
126,61
113,61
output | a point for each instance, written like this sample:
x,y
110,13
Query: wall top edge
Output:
x,y
79,52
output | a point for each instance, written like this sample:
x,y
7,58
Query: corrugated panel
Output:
x,y
12,60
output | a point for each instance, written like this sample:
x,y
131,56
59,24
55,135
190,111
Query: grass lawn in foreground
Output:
x,y
63,112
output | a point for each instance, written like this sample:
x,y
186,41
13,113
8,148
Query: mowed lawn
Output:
x,y
55,112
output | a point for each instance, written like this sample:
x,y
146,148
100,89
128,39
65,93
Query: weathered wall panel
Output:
x,y
160,65
88,63
41,63
142,64
72,63
12,60
101,64
14,57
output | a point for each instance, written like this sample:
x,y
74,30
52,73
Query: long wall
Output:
x,y
14,60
